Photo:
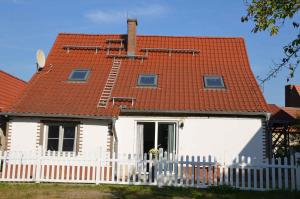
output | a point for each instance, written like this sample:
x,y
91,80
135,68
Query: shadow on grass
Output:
x,y
224,192
63,191
124,192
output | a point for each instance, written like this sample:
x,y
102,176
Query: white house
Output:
x,y
129,93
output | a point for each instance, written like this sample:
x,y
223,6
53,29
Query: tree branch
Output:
x,y
275,70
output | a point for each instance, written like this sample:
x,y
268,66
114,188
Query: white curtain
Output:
x,y
171,138
140,140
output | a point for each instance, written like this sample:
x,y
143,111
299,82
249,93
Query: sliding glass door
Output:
x,y
156,135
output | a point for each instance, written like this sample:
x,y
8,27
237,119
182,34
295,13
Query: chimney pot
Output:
x,y
131,36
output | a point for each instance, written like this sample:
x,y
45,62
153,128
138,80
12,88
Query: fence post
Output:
x,y
38,164
98,166
297,161
160,165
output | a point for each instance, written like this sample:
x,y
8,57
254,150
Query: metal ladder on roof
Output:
x,y
110,82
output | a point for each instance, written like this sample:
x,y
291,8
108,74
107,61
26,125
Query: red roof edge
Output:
x,y
261,96
19,79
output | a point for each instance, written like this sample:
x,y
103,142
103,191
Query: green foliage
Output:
x,y
270,15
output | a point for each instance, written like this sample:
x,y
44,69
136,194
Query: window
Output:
x,y
61,137
213,82
147,80
79,75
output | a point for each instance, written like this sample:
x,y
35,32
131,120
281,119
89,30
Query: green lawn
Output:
x,y
40,191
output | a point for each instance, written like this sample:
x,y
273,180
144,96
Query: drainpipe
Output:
x,y
268,133
114,129
115,144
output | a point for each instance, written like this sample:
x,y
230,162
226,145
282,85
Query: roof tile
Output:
x,y
10,88
180,77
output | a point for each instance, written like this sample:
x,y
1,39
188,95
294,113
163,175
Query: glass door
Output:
x,y
156,135
166,137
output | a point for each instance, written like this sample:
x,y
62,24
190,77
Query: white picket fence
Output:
x,y
160,170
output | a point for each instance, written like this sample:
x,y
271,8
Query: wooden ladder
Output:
x,y
110,82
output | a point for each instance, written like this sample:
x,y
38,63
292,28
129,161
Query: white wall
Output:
x,y
94,136
225,137
221,137
126,130
23,134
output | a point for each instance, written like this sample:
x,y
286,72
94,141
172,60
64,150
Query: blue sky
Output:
x,y
27,25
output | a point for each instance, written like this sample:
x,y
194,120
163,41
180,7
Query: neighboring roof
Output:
x,y
180,78
284,114
297,88
10,88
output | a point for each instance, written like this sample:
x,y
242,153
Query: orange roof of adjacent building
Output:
x,y
284,114
10,88
180,85
297,87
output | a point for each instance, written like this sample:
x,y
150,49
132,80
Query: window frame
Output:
x,y
206,77
79,80
140,84
61,136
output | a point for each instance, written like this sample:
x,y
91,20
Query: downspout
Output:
x,y
2,134
114,129
115,144
268,133
268,116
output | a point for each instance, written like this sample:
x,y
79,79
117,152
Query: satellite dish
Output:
x,y
40,59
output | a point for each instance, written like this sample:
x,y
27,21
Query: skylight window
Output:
x,y
213,82
79,75
147,80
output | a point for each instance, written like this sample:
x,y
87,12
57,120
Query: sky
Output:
x,y
28,25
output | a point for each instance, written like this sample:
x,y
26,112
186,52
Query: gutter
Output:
x,y
189,112
114,128
5,114
140,112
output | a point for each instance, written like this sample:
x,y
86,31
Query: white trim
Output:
x,y
60,138
155,135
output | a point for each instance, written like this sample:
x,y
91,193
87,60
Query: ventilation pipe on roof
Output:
x,y
131,36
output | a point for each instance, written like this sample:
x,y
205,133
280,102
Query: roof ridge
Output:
x,y
193,36
88,34
291,108
148,35
17,78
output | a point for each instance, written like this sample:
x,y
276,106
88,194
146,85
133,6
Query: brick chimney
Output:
x,y
292,96
131,36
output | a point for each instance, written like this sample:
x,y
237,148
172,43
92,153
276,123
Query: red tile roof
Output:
x,y
297,87
10,88
284,114
180,77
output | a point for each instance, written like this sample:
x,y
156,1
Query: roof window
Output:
x,y
147,80
213,82
79,75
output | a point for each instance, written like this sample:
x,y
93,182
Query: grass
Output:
x,y
65,191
